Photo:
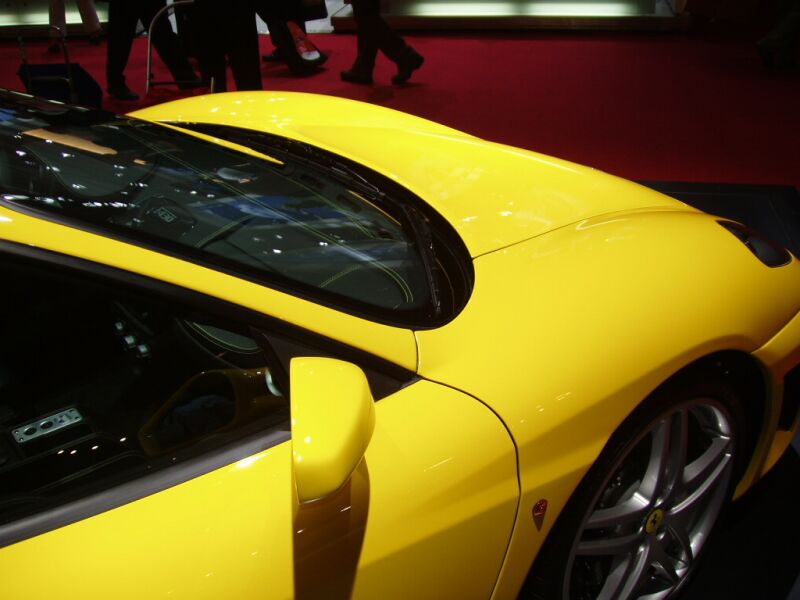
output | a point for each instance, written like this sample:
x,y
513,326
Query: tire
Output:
x,y
636,524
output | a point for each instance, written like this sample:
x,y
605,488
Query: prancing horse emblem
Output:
x,y
654,521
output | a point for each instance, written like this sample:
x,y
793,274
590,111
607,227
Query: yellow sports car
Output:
x,y
274,345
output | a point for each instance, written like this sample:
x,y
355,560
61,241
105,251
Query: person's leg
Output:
x,y
121,31
279,33
211,53
394,47
166,42
91,24
242,48
293,11
367,14
287,34
387,40
186,28
266,11
58,17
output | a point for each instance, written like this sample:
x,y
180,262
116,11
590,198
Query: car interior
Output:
x,y
100,385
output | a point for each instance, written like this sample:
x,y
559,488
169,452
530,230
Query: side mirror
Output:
x,y
333,416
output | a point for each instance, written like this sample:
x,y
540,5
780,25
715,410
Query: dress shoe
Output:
x,y
357,76
305,48
123,92
300,68
274,57
297,64
411,62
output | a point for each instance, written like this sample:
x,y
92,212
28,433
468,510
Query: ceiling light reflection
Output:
x,y
586,8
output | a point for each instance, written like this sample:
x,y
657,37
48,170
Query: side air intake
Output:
x,y
770,253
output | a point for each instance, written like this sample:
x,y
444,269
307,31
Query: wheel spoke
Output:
x,y
666,572
612,545
704,474
697,472
681,536
667,457
632,510
627,577
678,449
657,465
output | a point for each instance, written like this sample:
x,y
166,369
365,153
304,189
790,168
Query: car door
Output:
x,y
146,452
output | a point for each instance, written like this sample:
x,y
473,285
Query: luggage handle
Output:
x,y
61,40
166,9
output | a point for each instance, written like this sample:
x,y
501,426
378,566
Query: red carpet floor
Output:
x,y
660,107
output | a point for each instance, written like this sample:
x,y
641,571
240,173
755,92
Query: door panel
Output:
x,y
226,534
443,497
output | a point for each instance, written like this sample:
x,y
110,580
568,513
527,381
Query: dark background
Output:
x,y
756,552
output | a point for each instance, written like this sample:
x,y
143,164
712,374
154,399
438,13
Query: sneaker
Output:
x,y
305,47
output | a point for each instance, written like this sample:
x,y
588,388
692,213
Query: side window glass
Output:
x,y
98,387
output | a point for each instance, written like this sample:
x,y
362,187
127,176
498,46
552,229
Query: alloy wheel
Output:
x,y
655,511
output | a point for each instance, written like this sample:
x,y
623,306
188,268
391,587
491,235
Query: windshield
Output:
x,y
276,213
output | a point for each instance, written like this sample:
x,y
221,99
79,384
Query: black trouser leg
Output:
x,y
165,40
278,32
229,35
390,42
293,11
122,18
211,53
375,34
367,44
242,49
186,25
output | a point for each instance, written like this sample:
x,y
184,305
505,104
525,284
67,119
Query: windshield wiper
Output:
x,y
417,219
310,156
424,235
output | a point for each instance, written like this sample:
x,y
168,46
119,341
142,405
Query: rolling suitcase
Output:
x,y
65,82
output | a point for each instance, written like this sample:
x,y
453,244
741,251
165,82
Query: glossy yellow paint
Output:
x,y
333,417
778,355
569,376
443,495
226,534
432,494
290,111
493,195
560,344
391,343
